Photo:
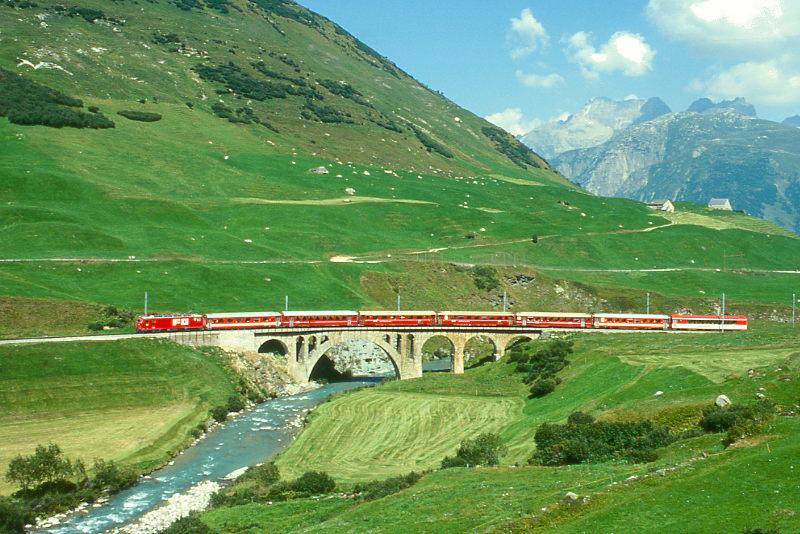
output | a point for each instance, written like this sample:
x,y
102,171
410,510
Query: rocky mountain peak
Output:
x,y
739,104
792,121
596,122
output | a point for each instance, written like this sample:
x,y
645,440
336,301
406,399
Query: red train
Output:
x,y
344,319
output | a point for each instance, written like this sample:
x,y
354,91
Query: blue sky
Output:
x,y
530,61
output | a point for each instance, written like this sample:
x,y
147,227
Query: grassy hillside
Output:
x,y
133,401
213,214
615,378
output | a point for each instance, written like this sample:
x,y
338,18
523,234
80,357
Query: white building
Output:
x,y
661,205
720,204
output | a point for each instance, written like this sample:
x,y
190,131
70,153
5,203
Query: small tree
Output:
x,y
486,449
47,464
314,483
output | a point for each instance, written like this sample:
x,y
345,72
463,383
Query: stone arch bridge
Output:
x,y
303,347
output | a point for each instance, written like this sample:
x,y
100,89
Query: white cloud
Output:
x,y
527,34
626,52
513,121
539,80
728,23
773,82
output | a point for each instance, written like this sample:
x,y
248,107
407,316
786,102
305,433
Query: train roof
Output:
x,y
317,312
164,315
476,313
717,317
242,314
631,315
554,314
396,312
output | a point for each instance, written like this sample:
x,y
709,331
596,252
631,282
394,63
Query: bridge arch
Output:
x,y
476,355
322,349
273,346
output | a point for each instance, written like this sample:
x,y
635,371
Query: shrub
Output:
x,y
542,387
238,496
166,38
14,515
326,114
141,116
737,420
430,144
96,326
580,418
345,90
219,413
314,483
235,404
486,449
190,524
381,488
485,277
112,477
453,461
264,474
585,442
510,147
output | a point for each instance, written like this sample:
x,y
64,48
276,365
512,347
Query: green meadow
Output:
x,y
132,401
410,425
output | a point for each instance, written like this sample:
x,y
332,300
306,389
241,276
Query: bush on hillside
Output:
x,y
369,491
240,82
28,103
485,277
579,441
543,387
326,114
345,90
314,483
14,516
235,404
190,524
541,367
141,116
430,144
738,420
510,147
265,474
580,418
112,477
219,413
485,450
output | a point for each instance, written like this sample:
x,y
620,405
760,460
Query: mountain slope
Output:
x,y
593,124
263,61
697,156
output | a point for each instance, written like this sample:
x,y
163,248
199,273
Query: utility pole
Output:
x,y
648,303
398,300
505,301
286,303
722,318
146,300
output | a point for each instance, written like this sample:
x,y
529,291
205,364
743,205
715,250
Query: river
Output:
x,y
250,438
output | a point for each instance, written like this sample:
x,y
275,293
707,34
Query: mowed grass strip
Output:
x,y
374,434
132,401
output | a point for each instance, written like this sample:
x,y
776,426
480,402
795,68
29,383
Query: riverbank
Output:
x,y
247,439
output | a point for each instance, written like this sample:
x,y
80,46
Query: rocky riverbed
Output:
x,y
179,505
